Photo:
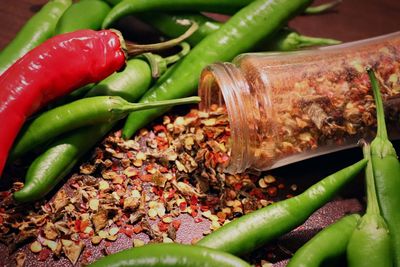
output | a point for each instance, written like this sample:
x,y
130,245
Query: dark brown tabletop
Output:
x,y
352,20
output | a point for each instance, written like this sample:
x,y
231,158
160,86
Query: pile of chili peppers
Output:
x,y
91,72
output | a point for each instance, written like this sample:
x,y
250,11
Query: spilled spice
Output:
x,y
141,190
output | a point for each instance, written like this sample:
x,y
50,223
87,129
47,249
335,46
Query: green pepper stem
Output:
x,y
313,10
307,41
185,49
372,201
159,65
380,114
137,49
156,104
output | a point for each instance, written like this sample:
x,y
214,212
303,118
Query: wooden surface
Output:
x,y
352,20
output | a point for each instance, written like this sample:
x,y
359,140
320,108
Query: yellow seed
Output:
x,y
94,204
167,219
115,195
138,163
152,213
113,231
36,247
138,243
50,244
96,240
103,185
136,193
237,203
214,218
206,214
141,156
111,237
262,183
270,179
88,230
215,225
166,239
102,234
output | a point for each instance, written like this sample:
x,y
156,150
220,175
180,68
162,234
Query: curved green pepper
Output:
x,y
170,255
261,226
38,29
386,168
85,14
326,246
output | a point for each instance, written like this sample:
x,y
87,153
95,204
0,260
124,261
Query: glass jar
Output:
x,y
286,107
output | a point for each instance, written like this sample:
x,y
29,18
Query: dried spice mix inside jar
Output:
x,y
285,107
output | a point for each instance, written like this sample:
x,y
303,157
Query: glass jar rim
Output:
x,y
228,81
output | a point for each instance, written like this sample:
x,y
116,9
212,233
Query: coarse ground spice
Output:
x,y
298,105
147,189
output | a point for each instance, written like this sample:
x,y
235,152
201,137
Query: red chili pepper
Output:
x,y
57,67
51,70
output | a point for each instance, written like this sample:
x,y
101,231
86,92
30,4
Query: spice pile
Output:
x,y
147,189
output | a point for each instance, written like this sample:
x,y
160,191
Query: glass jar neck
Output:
x,y
223,84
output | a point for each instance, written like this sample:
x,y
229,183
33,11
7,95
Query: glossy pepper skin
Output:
x,y
58,159
386,169
37,30
47,170
51,70
236,36
261,226
85,14
173,25
128,7
170,255
80,113
370,243
326,246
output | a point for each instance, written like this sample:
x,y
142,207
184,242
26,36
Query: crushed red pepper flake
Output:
x,y
141,186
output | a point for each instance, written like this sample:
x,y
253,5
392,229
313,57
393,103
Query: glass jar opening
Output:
x,y
222,84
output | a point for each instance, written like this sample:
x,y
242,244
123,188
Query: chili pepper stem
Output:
x,y
312,10
158,64
381,132
155,104
185,49
373,206
137,49
306,41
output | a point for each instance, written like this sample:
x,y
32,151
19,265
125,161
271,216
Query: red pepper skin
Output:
x,y
51,70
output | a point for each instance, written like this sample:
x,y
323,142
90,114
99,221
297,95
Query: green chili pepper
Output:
x,y
85,14
369,244
164,255
127,7
60,157
87,111
38,29
261,226
173,25
386,168
312,10
80,113
137,70
55,163
236,36
289,40
327,246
